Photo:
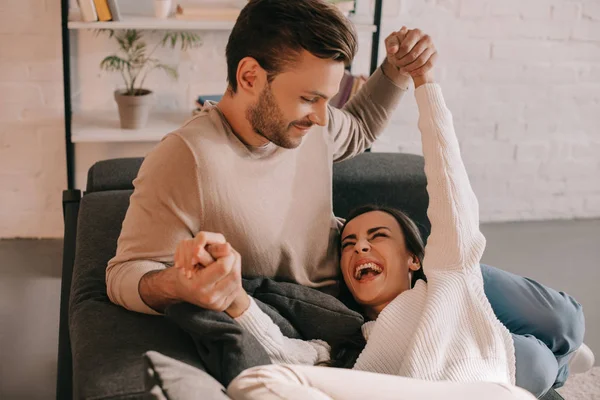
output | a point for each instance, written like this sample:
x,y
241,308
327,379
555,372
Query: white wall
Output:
x,y
523,82
32,160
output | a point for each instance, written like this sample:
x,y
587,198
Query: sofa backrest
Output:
x,y
392,179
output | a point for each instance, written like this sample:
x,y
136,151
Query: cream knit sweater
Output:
x,y
444,329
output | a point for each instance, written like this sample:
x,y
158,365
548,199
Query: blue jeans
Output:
x,y
547,327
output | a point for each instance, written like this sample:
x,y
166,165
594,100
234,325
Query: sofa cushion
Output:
x,y
168,378
390,179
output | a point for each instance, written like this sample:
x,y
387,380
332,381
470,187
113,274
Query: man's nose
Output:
x,y
319,116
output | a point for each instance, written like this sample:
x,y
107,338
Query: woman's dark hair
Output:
x,y
274,32
344,353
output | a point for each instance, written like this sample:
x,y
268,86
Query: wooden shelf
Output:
x,y
149,23
104,127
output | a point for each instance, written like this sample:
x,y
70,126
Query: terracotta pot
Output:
x,y
134,110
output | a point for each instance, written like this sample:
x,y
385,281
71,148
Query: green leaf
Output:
x,y
168,69
136,61
114,63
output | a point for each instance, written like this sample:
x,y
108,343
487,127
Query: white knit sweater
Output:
x,y
444,329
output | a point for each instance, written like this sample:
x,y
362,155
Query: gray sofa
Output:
x,y
100,344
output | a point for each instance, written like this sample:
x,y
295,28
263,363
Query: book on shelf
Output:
x,y
88,10
349,86
103,10
207,12
113,5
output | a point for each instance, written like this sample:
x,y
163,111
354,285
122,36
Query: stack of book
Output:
x,y
99,10
208,12
203,98
349,86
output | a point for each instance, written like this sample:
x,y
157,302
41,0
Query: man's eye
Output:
x,y
311,101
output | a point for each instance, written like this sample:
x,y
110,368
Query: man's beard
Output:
x,y
268,121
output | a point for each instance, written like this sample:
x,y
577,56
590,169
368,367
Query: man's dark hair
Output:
x,y
274,32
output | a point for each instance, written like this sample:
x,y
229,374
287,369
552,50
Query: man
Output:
x,y
257,169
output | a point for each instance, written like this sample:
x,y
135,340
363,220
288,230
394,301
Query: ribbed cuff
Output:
x,y
254,320
431,101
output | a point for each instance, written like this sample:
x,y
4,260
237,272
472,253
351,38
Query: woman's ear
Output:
x,y
413,263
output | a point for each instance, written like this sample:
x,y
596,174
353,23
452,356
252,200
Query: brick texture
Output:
x,y
527,112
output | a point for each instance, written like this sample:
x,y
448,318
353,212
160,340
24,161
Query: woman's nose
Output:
x,y
362,247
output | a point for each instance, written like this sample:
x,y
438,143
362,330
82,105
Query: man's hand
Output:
x,y
193,253
196,277
410,53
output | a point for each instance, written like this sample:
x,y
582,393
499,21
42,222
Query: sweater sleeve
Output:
x,y
281,349
164,209
455,241
355,127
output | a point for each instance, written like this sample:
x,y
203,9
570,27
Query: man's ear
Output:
x,y
250,75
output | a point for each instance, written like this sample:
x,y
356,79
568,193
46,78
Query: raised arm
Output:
x,y
455,241
355,127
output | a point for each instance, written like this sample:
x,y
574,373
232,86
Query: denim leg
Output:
x,y
527,307
536,366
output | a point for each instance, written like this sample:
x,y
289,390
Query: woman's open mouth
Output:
x,y
367,271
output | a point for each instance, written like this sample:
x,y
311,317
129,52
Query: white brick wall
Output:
x,y
523,81
521,77
32,166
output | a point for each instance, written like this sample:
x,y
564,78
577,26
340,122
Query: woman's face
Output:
x,y
375,263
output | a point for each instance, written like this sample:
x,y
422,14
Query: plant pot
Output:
x,y
134,110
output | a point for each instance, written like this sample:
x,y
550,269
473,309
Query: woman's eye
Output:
x,y
311,101
379,234
346,245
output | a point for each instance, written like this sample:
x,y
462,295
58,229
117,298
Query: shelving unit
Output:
x,y
173,24
103,127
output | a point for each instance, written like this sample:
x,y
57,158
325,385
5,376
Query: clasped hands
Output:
x,y
210,274
410,53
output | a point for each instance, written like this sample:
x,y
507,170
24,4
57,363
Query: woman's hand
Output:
x,y
241,301
412,53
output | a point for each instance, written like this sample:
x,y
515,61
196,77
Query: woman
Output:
x,y
440,330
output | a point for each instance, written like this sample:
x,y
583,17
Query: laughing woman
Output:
x,y
438,338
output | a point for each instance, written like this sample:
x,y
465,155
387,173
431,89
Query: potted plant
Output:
x,y
134,62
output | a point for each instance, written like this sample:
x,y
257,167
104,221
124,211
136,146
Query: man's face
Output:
x,y
295,100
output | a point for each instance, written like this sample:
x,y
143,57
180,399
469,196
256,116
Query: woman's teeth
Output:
x,y
358,272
